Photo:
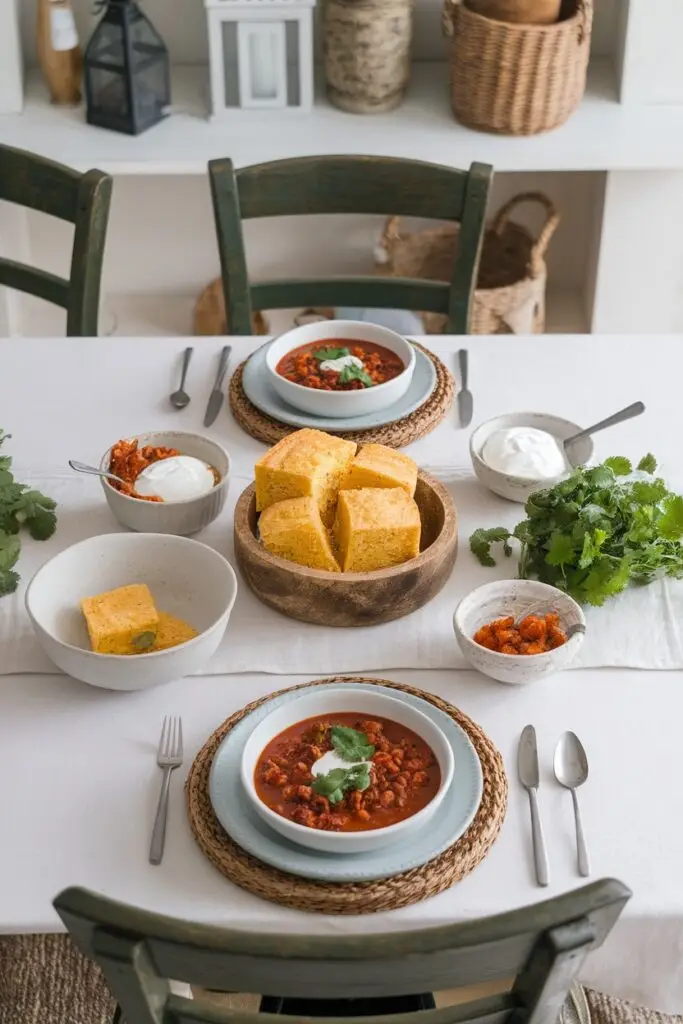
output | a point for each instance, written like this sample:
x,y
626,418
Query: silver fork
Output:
x,y
169,756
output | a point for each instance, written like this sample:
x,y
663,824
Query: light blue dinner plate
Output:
x,y
240,821
259,392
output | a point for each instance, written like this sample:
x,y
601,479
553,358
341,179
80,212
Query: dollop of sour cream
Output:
x,y
525,452
178,478
329,761
337,365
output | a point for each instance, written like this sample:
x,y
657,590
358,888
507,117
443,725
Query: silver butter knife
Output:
x,y
527,765
464,400
217,396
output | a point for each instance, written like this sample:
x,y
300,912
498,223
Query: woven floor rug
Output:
x,y
45,980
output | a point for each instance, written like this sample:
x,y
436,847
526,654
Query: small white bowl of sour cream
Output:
x,y
523,452
193,494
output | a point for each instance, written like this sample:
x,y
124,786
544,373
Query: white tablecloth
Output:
x,y
615,637
77,770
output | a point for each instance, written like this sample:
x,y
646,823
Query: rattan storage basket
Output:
x,y
517,79
210,317
510,295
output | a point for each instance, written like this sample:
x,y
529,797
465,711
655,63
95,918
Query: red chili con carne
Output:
x,y
303,365
404,775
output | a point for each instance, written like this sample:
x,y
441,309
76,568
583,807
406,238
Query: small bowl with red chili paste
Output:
x,y
345,773
340,368
517,631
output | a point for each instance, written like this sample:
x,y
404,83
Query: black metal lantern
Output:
x,y
126,71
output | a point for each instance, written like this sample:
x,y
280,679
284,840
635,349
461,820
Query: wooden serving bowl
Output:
x,y
352,598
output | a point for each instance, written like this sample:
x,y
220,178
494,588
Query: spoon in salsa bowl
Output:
x,y
83,467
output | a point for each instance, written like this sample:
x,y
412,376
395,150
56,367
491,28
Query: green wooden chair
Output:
x,y
541,947
81,199
349,184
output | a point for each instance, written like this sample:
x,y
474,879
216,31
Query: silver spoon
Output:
x,y
83,467
571,771
180,398
619,417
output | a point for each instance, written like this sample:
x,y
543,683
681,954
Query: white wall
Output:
x,y
653,41
183,27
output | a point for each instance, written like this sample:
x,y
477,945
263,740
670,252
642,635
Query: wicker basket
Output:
x,y
209,313
367,53
517,79
510,295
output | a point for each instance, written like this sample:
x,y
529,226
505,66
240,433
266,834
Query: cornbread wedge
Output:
x,y
375,528
172,632
375,465
293,529
122,621
307,463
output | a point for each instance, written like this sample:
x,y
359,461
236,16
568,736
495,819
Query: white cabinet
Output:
x,y
649,59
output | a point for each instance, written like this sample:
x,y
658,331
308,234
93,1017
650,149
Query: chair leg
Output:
x,y
117,1018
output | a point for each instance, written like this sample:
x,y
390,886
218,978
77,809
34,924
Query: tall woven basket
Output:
x,y
517,79
510,295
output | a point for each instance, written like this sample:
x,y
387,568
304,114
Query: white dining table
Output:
x,y
78,779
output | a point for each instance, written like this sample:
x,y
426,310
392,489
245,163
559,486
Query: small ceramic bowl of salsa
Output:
x,y
340,368
345,772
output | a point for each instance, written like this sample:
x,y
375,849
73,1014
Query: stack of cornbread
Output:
x,y
326,504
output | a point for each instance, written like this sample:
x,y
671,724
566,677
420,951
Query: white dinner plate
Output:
x,y
241,822
259,392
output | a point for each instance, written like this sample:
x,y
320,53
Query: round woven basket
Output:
x,y
367,53
210,317
510,295
517,79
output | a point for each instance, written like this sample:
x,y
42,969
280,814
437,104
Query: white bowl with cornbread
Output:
x,y
337,338
174,588
342,535
180,515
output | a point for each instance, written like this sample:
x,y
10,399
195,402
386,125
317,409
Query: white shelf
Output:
x,y
147,315
602,135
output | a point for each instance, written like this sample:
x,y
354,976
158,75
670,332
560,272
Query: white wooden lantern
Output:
x,y
260,54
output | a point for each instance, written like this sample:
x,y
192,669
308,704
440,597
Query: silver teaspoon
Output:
x,y
571,771
619,417
180,398
83,467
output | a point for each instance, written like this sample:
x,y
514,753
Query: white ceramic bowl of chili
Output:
x,y
324,702
176,517
337,333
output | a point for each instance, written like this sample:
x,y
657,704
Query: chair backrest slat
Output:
x,y
81,199
349,184
540,946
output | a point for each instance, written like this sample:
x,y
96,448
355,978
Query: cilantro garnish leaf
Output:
x,y
353,372
350,744
619,465
321,354
481,541
648,464
19,506
596,532
339,781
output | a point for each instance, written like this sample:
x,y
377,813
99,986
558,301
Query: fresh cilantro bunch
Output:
x,y
19,506
596,532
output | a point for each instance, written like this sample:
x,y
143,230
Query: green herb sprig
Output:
x,y
19,506
350,744
322,354
340,780
350,373
595,532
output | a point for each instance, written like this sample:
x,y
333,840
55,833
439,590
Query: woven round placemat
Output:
x,y
394,435
350,897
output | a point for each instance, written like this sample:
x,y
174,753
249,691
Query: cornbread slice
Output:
x,y
375,465
172,632
294,530
376,527
307,463
121,621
